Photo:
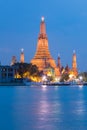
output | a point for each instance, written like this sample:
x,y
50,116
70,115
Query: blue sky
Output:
x,y
66,24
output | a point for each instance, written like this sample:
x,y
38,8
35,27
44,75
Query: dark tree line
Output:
x,y
25,67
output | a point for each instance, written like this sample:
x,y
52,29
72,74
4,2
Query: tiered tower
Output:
x,y
59,62
74,64
13,60
58,68
43,57
22,56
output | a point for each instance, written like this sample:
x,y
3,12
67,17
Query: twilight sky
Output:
x,y
66,24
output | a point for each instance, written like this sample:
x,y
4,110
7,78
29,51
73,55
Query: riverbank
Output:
x,y
12,84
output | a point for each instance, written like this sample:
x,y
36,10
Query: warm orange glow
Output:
x,y
17,76
27,75
35,78
22,56
43,57
74,64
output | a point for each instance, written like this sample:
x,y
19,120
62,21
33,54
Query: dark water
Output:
x,y
40,108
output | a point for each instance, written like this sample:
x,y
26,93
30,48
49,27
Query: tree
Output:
x,y
64,77
23,68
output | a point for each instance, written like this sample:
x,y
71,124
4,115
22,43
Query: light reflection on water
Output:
x,y
80,106
47,112
43,108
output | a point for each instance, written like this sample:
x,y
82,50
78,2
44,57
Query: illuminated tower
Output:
x,y
58,68
59,63
13,60
74,64
22,56
43,56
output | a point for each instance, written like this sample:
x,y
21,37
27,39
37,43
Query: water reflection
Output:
x,y
48,111
44,87
80,86
80,105
80,108
43,108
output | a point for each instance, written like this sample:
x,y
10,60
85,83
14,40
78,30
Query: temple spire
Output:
x,y
22,56
59,62
74,63
42,56
13,60
42,26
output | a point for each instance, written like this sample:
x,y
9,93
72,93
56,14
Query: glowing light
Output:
x,y
71,76
80,86
22,49
42,19
81,78
44,78
49,74
57,79
44,86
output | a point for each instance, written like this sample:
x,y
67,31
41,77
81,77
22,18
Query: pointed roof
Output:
x,y
42,26
42,55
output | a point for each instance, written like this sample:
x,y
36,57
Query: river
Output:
x,y
43,108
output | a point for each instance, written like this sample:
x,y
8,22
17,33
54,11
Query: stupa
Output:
x,y
42,56
74,64
22,56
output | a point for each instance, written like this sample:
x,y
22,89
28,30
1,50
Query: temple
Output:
x,y
74,64
44,61
58,68
59,63
43,57
22,56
